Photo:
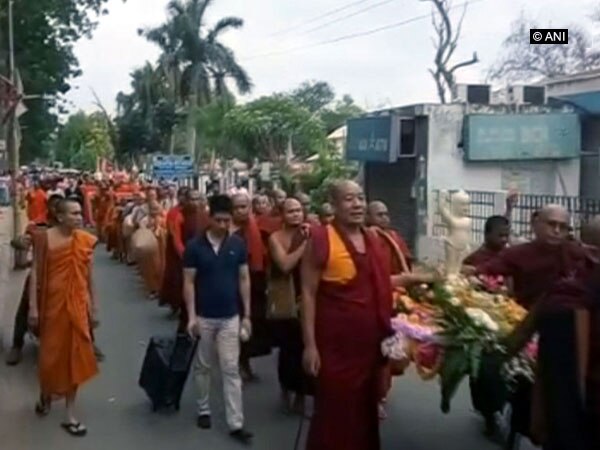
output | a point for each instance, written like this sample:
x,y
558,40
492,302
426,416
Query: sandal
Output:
x,y
42,407
74,429
382,412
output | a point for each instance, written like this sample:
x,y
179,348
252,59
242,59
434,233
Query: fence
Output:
x,y
485,204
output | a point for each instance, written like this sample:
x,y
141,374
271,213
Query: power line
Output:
x,y
348,16
357,35
321,16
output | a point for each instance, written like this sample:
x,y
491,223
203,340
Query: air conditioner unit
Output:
x,y
526,95
473,93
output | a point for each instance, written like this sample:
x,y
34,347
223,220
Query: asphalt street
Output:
x,y
118,414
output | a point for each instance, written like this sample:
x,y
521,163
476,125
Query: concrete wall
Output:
x,y
447,169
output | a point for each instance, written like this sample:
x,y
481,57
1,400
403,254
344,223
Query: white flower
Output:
x,y
454,301
482,319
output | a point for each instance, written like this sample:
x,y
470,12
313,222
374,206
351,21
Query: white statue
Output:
x,y
458,223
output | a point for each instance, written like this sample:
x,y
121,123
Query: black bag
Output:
x,y
165,369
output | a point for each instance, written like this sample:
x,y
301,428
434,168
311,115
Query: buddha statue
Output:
x,y
458,223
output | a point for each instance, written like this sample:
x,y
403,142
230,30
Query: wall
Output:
x,y
446,168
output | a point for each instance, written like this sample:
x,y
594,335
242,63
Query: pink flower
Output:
x,y
531,350
427,355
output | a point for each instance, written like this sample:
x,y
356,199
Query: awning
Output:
x,y
588,102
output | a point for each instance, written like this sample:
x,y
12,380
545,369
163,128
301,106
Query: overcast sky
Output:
x,y
382,69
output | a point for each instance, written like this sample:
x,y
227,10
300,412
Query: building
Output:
x,y
410,153
582,92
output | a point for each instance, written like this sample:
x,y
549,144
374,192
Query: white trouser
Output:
x,y
220,336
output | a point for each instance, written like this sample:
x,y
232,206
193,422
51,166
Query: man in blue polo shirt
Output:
x,y
217,281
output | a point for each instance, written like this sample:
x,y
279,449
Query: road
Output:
x,y
118,414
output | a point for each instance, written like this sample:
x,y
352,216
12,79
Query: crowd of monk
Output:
x,y
321,292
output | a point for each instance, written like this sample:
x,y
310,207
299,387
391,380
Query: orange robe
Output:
x,y
152,266
37,206
89,191
104,204
171,292
66,356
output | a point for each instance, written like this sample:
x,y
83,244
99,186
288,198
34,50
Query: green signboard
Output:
x,y
495,137
373,139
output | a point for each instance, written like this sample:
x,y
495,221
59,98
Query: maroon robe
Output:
x,y
481,256
535,268
350,322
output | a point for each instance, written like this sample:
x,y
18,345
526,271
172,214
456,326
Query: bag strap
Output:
x,y
395,248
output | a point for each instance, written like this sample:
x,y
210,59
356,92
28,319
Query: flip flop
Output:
x,y
74,429
42,408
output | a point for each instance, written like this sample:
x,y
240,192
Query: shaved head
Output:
x,y
552,224
378,214
349,202
554,210
338,188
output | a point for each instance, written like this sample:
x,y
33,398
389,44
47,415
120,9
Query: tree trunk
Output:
x,y
192,104
172,142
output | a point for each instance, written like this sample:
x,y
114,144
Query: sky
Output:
x,y
278,44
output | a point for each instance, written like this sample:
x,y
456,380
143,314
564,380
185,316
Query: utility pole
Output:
x,y
12,144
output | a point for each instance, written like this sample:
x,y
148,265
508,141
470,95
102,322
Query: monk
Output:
x,y
534,266
61,311
346,301
326,214
245,224
261,206
286,248
152,266
37,200
496,238
104,205
549,275
269,218
24,243
89,190
172,285
309,217
485,395
397,259
378,216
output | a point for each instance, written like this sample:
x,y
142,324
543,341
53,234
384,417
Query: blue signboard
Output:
x,y
170,167
373,139
496,137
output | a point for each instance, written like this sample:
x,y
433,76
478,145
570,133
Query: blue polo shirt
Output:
x,y
217,275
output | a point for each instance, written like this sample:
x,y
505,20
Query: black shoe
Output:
x,y
204,422
242,436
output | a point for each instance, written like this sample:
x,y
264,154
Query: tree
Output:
x,y
343,110
314,95
44,34
523,62
205,62
264,127
212,131
82,140
147,116
446,42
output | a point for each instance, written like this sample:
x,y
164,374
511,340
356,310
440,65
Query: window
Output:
x,y
407,137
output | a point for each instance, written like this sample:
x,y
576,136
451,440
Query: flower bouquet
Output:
x,y
476,317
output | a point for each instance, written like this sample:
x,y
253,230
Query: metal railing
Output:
x,y
485,204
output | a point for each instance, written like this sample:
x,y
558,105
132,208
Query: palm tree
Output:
x,y
204,62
